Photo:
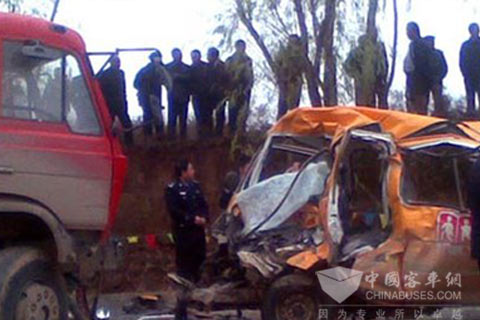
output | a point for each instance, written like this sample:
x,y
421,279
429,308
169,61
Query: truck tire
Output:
x,y
29,286
292,297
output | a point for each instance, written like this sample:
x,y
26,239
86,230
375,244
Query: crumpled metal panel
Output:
x,y
260,201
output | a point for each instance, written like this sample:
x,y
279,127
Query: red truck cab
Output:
x,y
61,167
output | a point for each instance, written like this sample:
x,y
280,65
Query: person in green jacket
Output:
x,y
367,64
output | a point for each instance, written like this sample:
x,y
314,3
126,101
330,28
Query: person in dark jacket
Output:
x,y
112,82
148,82
240,69
470,66
217,83
417,69
473,199
232,180
439,67
189,213
179,94
199,94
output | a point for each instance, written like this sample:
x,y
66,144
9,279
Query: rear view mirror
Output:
x,y
39,51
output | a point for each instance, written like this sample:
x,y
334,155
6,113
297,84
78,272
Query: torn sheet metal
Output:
x,y
261,262
259,202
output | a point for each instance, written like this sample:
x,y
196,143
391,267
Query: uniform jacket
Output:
x,y
185,200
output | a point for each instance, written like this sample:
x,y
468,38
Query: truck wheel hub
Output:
x,y
38,302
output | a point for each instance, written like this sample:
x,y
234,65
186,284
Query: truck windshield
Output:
x,y
48,88
436,176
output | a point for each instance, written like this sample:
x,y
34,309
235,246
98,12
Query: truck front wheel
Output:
x,y
29,286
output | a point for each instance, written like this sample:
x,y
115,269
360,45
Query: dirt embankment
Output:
x,y
143,209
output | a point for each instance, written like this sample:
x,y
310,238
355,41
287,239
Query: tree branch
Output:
x,y
318,35
254,33
277,29
394,49
311,74
302,24
372,16
330,70
280,20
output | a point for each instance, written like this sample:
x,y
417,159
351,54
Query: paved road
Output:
x,y
115,302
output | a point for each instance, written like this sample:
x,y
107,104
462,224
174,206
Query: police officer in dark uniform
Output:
x,y
189,212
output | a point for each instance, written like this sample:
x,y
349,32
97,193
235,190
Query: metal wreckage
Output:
x,y
371,191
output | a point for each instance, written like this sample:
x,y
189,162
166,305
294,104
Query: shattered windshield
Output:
x,y
288,153
436,176
293,174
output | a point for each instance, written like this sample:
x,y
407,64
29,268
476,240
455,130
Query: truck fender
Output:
x,y
63,241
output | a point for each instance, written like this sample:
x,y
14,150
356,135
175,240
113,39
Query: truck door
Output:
x,y
53,148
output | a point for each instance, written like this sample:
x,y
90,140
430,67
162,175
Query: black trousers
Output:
x,y
472,90
177,109
190,255
190,252
126,122
203,114
150,120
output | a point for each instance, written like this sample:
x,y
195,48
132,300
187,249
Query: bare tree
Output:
x,y
394,48
320,25
372,16
262,17
312,70
330,63
36,8
11,5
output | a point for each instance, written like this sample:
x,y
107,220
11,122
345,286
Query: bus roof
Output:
x,y
335,121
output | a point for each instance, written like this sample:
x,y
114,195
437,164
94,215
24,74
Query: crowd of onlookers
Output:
x,y
425,67
212,84
209,85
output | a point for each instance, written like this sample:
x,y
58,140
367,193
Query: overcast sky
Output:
x,y
188,24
